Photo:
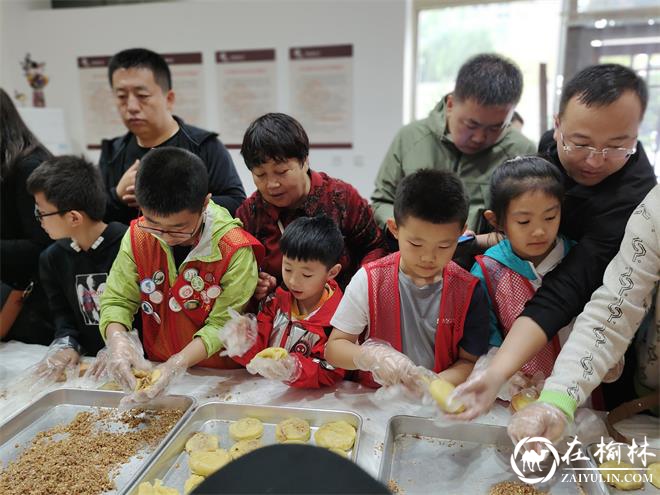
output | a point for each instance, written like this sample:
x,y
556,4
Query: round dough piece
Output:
x,y
207,463
292,429
204,442
296,442
654,472
335,435
340,452
144,379
243,447
616,477
191,483
246,429
275,353
440,390
157,489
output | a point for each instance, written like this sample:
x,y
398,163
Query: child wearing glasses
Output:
x,y
70,204
184,262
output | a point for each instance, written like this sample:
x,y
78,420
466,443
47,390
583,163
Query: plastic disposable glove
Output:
x,y
285,370
478,393
59,364
538,420
239,334
615,373
387,365
170,370
265,285
125,353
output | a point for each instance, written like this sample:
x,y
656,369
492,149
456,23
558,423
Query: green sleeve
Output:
x,y
560,400
389,176
238,284
121,297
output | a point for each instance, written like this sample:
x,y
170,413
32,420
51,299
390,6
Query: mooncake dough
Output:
x,y
191,483
157,489
335,435
275,353
610,475
202,441
440,390
654,472
242,447
144,379
292,429
206,463
246,429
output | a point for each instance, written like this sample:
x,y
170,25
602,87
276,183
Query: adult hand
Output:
x,y
538,420
265,285
126,185
387,365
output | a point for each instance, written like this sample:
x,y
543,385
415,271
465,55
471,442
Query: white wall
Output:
x,y
374,27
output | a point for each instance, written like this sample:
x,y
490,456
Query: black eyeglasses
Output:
x,y
172,233
38,215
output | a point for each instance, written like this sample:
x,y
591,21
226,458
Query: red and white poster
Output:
x,y
321,93
100,114
247,89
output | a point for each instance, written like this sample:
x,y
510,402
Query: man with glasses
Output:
x,y
468,132
607,174
185,263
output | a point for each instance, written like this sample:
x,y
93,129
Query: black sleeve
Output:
x,y
225,185
476,330
115,210
62,313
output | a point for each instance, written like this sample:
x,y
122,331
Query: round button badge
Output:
x,y
191,305
147,308
214,291
174,305
156,297
209,277
186,292
197,283
205,298
147,286
189,274
158,277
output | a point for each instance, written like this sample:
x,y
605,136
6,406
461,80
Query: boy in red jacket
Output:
x,y
296,319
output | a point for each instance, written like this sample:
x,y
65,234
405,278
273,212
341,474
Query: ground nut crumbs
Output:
x,y
514,488
394,487
83,456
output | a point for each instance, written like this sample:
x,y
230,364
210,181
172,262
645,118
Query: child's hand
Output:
x,y
99,367
265,285
478,393
170,370
239,334
538,420
125,353
387,365
59,364
285,370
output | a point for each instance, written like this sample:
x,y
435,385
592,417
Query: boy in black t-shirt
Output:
x,y
70,204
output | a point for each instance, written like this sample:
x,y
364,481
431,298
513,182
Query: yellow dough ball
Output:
x,y
654,472
440,390
111,386
157,489
335,435
246,429
144,379
617,477
242,447
292,429
191,483
204,442
297,442
206,463
275,353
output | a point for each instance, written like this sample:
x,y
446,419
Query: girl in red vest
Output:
x,y
428,311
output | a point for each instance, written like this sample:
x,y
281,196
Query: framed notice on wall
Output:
x,y
321,93
247,89
100,114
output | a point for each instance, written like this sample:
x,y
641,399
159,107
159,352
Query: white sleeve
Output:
x,y
603,331
352,314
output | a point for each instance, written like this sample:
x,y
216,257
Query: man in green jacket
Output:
x,y
467,132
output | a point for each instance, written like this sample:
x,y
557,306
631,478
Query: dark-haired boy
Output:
x,y
431,312
298,318
184,263
70,204
142,86
276,150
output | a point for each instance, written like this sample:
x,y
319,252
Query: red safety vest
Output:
x,y
173,317
509,291
385,309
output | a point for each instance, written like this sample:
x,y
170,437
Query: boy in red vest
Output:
x,y
296,318
415,307
184,262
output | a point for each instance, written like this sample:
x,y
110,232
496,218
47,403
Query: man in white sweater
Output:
x,y
625,307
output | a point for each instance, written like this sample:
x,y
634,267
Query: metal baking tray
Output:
x,y
648,488
419,456
61,407
171,465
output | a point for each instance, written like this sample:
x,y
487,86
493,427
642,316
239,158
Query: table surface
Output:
x,y
238,386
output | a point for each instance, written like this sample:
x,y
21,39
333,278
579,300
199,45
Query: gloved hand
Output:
x,y
538,420
99,367
59,364
387,365
170,370
615,373
125,353
239,334
285,370
478,393
265,285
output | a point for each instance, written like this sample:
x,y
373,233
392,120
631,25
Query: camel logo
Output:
x,y
535,462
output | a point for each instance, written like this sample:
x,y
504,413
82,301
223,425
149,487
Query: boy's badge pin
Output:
x,y
156,317
174,305
147,286
147,308
205,298
209,277
191,305
189,274
158,277
185,292
197,283
214,291
156,297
